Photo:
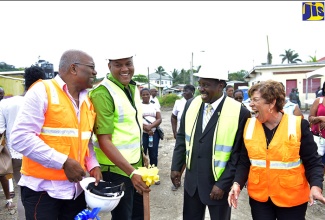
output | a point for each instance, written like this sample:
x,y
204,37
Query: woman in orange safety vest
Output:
x,y
279,160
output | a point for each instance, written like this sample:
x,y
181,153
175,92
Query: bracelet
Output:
x,y
132,174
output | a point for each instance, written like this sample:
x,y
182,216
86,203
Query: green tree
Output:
x,y
161,71
7,67
313,59
290,56
175,74
237,76
140,78
183,77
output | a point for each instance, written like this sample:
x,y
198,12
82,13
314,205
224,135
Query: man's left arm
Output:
x,y
226,179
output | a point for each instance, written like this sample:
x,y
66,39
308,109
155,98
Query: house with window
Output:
x,y
293,75
164,81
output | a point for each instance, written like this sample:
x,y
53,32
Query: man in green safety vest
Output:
x,y
208,141
118,128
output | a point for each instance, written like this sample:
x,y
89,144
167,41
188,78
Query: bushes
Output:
x,y
168,100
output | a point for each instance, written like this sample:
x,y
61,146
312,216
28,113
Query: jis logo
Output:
x,y
313,11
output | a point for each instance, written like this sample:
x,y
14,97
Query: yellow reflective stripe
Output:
x,y
284,165
53,92
67,132
128,146
250,128
87,102
116,100
222,148
85,135
292,125
258,163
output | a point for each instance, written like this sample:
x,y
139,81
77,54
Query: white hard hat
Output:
x,y
118,54
211,72
106,202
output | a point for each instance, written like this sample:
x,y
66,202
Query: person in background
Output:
x,y
153,97
3,179
53,132
290,107
210,154
230,91
8,112
118,128
279,159
318,92
293,96
188,92
2,93
299,103
239,96
151,120
317,117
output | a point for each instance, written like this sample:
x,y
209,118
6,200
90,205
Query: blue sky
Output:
x,y
232,34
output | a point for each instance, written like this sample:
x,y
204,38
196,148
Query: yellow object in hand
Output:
x,y
149,175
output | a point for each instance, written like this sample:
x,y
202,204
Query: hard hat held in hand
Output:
x,y
105,196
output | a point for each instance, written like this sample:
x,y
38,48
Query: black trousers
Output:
x,y
269,211
40,206
194,209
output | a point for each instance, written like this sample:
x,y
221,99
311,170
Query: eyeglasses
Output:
x,y
89,65
203,86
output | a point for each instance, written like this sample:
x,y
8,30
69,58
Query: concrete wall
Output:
x,y
12,85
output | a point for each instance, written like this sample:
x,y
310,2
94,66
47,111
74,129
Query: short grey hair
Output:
x,y
69,57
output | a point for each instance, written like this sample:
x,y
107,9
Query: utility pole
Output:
x,y
191,75
269,55
148,79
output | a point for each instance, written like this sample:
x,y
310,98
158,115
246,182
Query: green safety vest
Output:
x,y
127,132
223,139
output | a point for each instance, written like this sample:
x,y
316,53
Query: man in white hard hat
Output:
x,y
209,141
118,128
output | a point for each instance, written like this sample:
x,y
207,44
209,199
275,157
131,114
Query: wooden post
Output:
x,y
146,205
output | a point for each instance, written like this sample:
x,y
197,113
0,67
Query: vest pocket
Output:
x,y
292,149
253,178
291,181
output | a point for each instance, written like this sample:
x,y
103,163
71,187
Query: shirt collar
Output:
x,y
215,104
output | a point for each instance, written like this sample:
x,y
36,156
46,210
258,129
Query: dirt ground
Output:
x,y
166,204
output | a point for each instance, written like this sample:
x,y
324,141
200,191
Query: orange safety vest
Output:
x,y
276,172
62,132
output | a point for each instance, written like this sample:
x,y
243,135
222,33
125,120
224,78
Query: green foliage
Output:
x,y
290,56
237,76
168,100
312,59
140,78
161,71
7,67
182,78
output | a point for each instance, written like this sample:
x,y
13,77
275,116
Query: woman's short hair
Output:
x,y
189,87
270,90
144,89
238,90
